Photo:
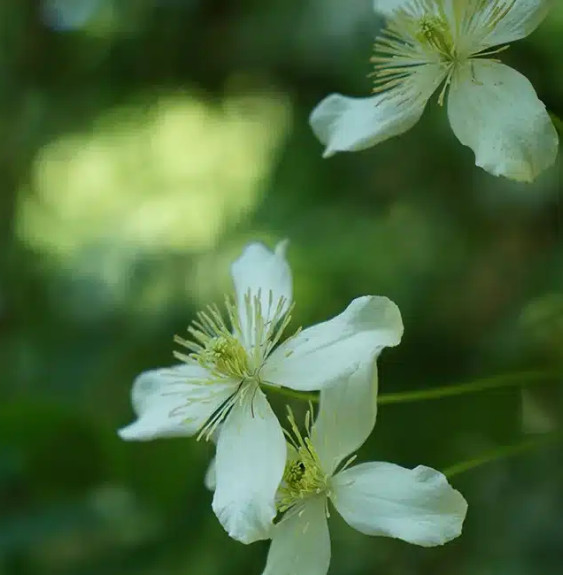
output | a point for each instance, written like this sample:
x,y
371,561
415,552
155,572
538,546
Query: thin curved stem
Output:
x,y
502,453
496,382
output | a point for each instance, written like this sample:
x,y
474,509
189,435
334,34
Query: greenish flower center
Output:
x,y
227,355
303,476
232,348
443,36
434,33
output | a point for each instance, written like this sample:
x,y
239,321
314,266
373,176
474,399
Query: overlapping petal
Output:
x,y
250,460
301,542
521,18
346,417
168,403
324,354
260,271
495,111
346,124
418,506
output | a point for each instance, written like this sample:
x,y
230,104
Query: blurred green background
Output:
x,y
144,142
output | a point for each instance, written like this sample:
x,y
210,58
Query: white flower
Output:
x,y
225,366
418,506
492,108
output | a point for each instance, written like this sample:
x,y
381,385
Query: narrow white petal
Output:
x,y
346,416
301,542
494,110
251,455
209,480
168,405
523,17
322,355
418,506
346,124
260,270
210,476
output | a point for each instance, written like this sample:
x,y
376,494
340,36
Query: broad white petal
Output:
x,y
418,506
251,455
322,355
301,542
259,270
346,124
520,20
346,416
168,403
494,110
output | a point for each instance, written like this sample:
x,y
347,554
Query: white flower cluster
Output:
x,y
271,485
426,44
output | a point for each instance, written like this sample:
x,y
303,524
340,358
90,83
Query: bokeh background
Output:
x,y
143,143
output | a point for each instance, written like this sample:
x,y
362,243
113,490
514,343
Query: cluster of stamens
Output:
x,y
424,33
303,476
235,349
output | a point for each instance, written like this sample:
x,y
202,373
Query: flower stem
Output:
x,y
502,453
496,382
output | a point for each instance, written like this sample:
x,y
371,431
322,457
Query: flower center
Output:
x,y
227,355
235,348
303,476
434,32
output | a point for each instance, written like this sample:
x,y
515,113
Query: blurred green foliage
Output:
x,y
143,143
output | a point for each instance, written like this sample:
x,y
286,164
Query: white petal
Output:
x,y
346,416
521,19
210,480
168,405
418,506
251,455
322,355
494,110
259,270
301,542
345,124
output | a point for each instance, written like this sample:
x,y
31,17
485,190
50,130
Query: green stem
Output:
x,y
501,453
496,382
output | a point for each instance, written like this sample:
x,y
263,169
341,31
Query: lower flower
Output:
x,y
418,506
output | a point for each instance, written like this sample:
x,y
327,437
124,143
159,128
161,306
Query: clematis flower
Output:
x,y
492,108
228,362
416,505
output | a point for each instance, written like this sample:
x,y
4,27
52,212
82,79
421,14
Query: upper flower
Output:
x,y
418,506
228,361
427,43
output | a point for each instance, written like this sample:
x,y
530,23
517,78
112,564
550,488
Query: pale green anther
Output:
x,y
303,476
226,355
229,349
434,32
